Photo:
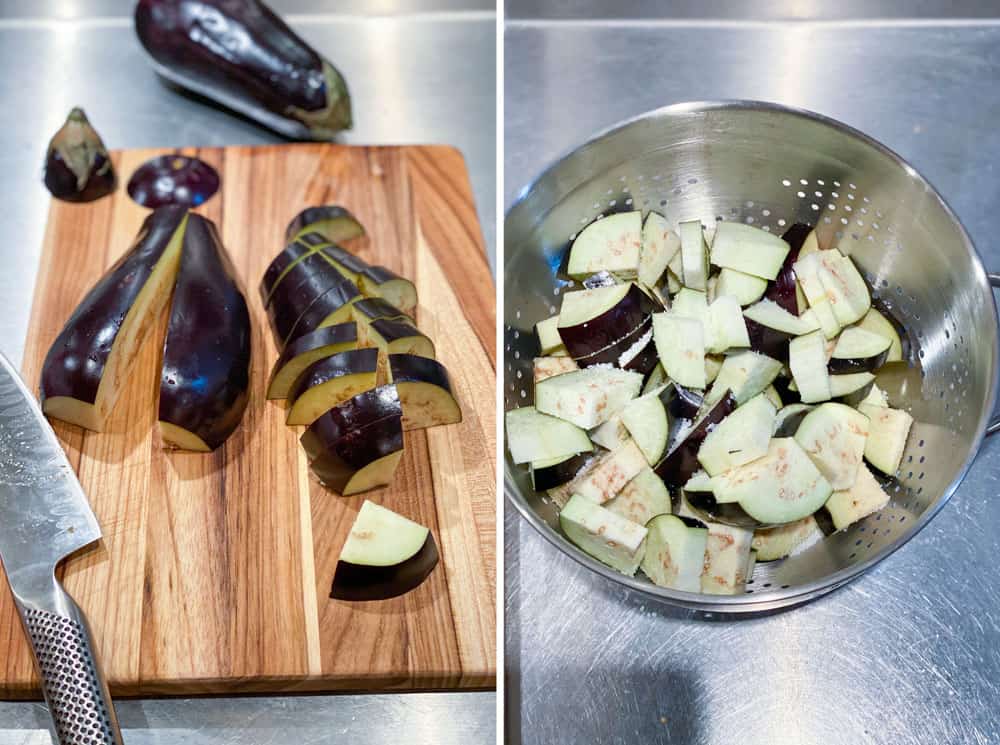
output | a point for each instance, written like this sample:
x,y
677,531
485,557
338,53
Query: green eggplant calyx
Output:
x,y
325,123
80,148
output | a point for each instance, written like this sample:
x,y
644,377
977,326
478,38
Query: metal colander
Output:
x,y
771,166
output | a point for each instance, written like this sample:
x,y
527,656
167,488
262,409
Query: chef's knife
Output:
x,y
45,517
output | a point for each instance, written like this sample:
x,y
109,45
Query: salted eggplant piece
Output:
x,y
333,222
173,179
205,378
77,165
356,445
425,391
681,462
88,363
289,256
329,382
240,54
306,350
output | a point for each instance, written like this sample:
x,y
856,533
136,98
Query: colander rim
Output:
x,y
776,598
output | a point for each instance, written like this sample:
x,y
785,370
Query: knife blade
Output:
x,y
45,517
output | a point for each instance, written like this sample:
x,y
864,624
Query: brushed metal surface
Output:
x,y
402,93
910,652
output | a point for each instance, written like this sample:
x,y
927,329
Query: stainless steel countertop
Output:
x,y
421,72
909,653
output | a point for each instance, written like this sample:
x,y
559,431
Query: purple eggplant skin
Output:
x,y
412,368
77,358
240,54
303,285
295,250
782,289
360,582
685,403
173,179
77,165
374,308
612,353
339,295
844,366
344,363
205,379
645,361
590,337
680,464
767,340
787,396
339,333
349,261
728,514
340,224
559,473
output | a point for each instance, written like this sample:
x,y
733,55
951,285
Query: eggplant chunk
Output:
x,y
307,282
333,222
281,264
329,382
205,379
89,362
306,350
240,54
356,445
173,179
425,391
77,165
399,337
386,555
377,281
333,306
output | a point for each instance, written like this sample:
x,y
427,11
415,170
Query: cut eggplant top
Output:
x,y
325,219
76,360
173,179
345,363
205,378
374,308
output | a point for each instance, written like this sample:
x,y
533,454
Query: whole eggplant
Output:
x,y
240,54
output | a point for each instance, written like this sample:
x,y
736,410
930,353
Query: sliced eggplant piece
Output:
x,y
587,397
205,377
611,433
533,436
784,290
548,367
378,281
680,344
306,350
548,474
593,320
703,506
356,445
642,499
374,309
681,462
845,287
279,267
864,497
333,306
774,316
611,474
610,244
746,288
647,422
726,327
844,385
685,403
398,337
727,552
548,335
807,360
603,534
675,552
347,264
659,244
887,434
333,222
693,304
740,438
748,249
641,357
878,323
788,419
782,487
240,54
88,363
424,390
807,273
772,544
859,350
745,374
304,284
77,165
834,436
329,382
694,255
173,179
386,555
623,350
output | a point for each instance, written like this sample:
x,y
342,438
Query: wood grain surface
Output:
x,y
214,571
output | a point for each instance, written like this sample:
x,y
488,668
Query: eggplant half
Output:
x,y
386,555
240,54
173,179
329,382
333,222
88,363
356,446
292,254
205,379
307,349
425,391
77,165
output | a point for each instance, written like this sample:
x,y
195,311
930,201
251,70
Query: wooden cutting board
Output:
x,y
214,571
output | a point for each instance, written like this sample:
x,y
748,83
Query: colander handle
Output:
x,y
995,423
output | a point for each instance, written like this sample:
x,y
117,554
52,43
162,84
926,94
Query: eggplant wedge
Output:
x,y
89,362
398,337
385,556
356,446
291,255
377,281
77,165
592,320
240,54
307,349
205,379
305,283
329,382
425,391
333,222
333,306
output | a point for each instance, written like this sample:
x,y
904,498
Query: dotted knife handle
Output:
x,y
73,686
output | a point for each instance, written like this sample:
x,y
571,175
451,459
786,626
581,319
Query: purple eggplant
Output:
x,y
173,179
782,289
240,54
678,465
77,165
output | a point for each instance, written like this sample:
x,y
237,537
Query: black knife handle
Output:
x,y
74,688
